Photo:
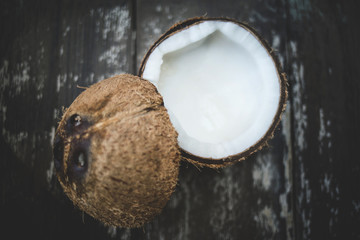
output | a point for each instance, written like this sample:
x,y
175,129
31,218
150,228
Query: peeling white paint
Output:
x,y
100,77
92,11
326,183
154,25
115,29
112,55
3,113
42,52
61,52
14,138
356,205
286,211
158,8
304,198
304,184
322,131
228,191
300,9
52,135
76,78
275,41
267,220
4,75
21,76
40,84
298,89
50,172
299,108
123,234
112,231
306,224
263,172
284,205
281,60
152,28
300,126
329,186
60,81
91,77
185,198
57,114
116,21
67,30
293,48
324,135
15,141
333,218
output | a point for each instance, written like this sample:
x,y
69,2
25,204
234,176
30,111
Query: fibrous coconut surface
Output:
x,y
116,152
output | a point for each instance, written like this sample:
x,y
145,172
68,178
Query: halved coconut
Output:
x,y
222,87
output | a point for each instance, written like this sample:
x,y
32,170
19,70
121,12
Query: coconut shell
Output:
x,y
217,163
116,152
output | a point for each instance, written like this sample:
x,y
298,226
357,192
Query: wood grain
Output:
x,y
305,185
325,103
250,199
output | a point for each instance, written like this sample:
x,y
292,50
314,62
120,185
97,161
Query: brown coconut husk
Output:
x,y
133,156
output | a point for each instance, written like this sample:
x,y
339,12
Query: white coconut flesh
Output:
x,y
220,85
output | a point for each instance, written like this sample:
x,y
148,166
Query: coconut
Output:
x,y
116,152
222,86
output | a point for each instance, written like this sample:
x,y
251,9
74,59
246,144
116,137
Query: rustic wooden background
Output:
x,y
305,185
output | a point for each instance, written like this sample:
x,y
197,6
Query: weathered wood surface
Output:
x,y
304,186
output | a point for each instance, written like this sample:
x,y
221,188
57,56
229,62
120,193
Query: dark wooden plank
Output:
x,y
323,73
47,49
304,186
252,199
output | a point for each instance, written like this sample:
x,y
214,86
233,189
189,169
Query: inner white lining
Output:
x,y
220,86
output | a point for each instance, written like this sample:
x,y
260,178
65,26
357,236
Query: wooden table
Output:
x,y
305,185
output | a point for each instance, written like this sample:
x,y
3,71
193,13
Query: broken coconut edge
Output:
x,y
263,141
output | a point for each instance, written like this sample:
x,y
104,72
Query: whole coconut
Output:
x,y
116,152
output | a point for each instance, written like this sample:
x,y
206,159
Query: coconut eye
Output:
x,y
79,159
58,153
76,124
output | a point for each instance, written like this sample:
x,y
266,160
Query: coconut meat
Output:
x,y
220,86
